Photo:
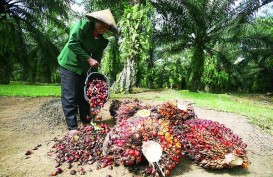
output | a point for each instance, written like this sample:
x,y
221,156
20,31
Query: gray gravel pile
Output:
x,y
47,117
51,113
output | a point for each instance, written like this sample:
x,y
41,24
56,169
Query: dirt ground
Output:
x,y
26,123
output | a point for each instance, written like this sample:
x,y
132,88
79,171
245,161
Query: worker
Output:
x,y
84,49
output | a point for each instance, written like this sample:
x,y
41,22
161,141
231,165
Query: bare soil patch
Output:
x,y
28,122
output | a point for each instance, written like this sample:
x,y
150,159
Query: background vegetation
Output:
x,y
213,46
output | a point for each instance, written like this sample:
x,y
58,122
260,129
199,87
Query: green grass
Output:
x,y
258,109
25,89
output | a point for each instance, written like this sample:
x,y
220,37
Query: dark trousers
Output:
x,y
73,98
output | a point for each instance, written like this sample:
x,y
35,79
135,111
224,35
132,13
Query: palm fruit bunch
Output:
x,y
97,92
115,104
176,112
122,110
85,147
167,137
212,145
125,140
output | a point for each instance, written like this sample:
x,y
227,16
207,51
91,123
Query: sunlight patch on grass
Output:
x,y
29,90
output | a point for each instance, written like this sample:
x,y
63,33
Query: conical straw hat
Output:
x,y
104,16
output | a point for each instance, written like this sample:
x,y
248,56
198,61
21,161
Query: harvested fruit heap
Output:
x,y
144,133
97,92
83,148
124,143
137,123
212,145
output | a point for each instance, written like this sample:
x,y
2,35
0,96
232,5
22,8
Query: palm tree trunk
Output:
x,y
150,66
126,79
3,9
5,68
115,61
197,67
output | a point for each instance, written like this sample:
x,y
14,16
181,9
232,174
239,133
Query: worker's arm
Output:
x,y
76,38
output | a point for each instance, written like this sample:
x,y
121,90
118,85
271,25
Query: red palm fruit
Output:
x,y
98,118
54,173
137,153
73,172
59,170
154,133
103,165
167,172
212,145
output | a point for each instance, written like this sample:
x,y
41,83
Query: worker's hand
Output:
x,y
93,63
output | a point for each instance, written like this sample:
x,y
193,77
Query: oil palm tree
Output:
x,y
256,60
22,26
203,26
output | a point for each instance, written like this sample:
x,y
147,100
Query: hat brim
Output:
x,y
112,28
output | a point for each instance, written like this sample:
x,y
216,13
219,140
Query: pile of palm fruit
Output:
x,y
212,145
171,125
177,129
126,139
85,147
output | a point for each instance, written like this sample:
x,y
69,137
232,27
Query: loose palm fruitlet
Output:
x,y
212,145
85,147
97,92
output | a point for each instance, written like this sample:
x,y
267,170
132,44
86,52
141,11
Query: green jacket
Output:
x,y
80,46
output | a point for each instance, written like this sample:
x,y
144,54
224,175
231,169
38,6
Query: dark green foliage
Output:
x,y
215,78
24,38
111,64
192,44
168,71
207,27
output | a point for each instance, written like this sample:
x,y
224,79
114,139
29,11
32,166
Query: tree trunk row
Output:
x,y
126,79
